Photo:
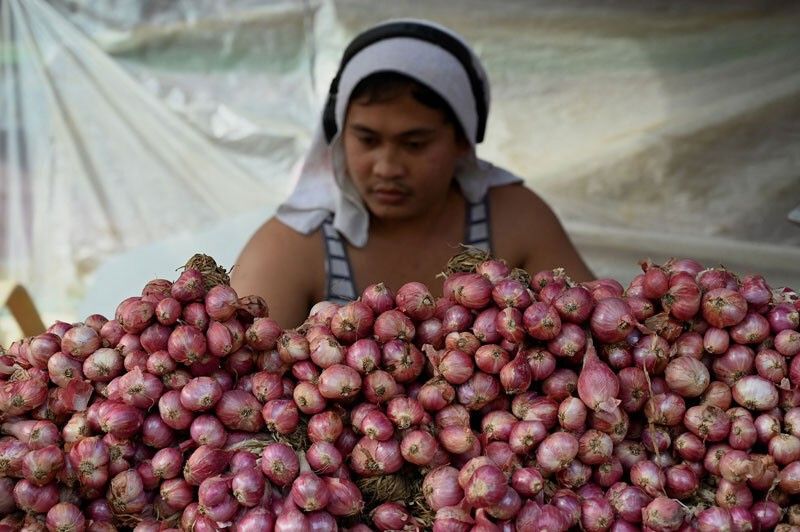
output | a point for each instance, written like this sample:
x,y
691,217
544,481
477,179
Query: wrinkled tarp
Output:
x,y
669,128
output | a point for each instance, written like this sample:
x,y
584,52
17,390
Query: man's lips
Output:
x,y
388,195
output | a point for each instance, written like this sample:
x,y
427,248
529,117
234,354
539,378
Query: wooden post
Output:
x,y
14,297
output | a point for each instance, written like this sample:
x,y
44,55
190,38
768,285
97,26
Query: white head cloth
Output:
x,y
322,185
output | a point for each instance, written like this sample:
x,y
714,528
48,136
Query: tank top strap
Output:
x,y
478,225
340,287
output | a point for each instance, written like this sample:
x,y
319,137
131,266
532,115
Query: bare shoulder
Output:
x,y
283,266
527,233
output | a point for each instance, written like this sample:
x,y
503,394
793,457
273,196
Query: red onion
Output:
x,y
65,517
42,347
352,322
239,410
167,311
378,297
687,376
309,492
771,365
418,447
391,325
219,339
126,493
491,358
572,414
291,519
441,489
379,387
416,301
569,343
31,498
478,391
608,473
542,363
665,409
767,514
595,447
308,398
508,507
509,323
431,331
681,481
730,495
784,448
456,366
377,426
713,278
510,293
79,342
651,354
598,386
723,307
462,341
176,493
263,334
562,383
683,298
456,439
612,320
597,514
714,519
633,389
556,451
574,304
402,360
404,412
155,433
755,393
515,376
364,355
324,457
663,515
485,326
345,497
326,426
717,394
391,516
471,290
266,386
189,286
787,342
789,479
486,487
457,319
280,464
339,382
204,462
575,475
373,458
542,321
707,422
40,466
167,463
187,344
62,368
753,329
293,346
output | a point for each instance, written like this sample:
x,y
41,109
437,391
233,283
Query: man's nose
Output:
x,y
388,164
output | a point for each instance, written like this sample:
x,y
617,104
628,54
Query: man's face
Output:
x,y
401,155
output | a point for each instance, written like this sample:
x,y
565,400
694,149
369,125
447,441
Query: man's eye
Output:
x,y
368,141
415,144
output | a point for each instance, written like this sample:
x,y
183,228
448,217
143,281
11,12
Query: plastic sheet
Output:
x,y
666,129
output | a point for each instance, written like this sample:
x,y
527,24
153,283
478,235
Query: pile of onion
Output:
x,y
507,403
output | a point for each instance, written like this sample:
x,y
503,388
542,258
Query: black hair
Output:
x,y
385,86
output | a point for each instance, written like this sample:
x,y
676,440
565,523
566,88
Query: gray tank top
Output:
x,y
340,287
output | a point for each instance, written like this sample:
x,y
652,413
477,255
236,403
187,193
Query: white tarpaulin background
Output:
x,y
136,133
